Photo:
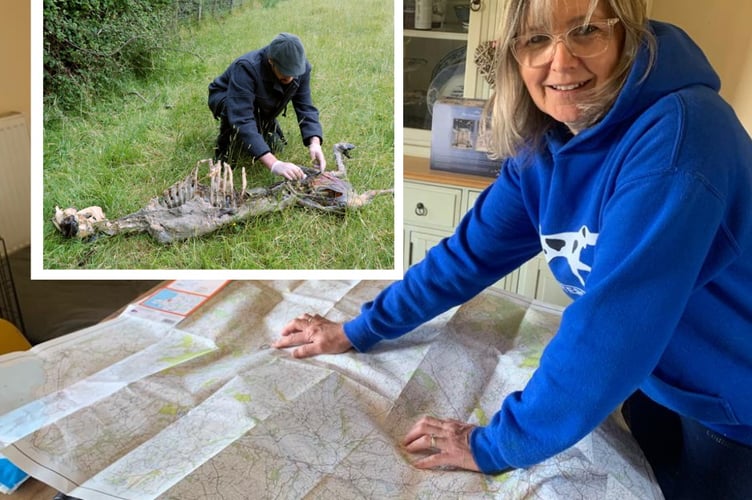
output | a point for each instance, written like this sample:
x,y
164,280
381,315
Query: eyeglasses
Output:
x,y
588,40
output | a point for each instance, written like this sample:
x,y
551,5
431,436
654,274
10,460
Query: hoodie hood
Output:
x,y
679,63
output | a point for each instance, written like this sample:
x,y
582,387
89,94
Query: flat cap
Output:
x,y
287,53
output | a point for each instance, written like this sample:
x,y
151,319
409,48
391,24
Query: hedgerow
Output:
x,y
92,47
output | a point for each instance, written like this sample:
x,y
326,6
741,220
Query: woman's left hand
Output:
x,y
447,441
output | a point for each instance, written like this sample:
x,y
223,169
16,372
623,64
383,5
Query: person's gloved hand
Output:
x,y
287,170
317,155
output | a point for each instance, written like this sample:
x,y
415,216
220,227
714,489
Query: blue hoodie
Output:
x,y
646,221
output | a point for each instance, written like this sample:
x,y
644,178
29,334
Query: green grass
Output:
x,y
126,149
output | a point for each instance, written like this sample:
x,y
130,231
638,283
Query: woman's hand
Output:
x,y
446,441
315,335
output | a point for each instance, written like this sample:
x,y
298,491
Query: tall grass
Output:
x,y
129,147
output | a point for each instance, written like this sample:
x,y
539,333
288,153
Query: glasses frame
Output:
x,y
609,23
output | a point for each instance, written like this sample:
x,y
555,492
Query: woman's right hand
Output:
x,y
312,335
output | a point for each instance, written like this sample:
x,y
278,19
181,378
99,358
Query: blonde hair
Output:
x,y
515,121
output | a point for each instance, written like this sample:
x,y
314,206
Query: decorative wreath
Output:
x,y
485,59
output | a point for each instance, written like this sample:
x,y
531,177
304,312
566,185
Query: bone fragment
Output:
x,y
232,188
214,173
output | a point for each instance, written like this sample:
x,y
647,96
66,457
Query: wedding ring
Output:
x,y
433,441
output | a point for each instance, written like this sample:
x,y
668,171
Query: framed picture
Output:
x,y
457,144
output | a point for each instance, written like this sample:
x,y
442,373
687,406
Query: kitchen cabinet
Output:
x,y
438,62
434,203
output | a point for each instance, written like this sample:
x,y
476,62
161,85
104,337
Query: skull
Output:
x,y
77,223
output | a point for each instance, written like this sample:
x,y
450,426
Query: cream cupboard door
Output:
x,y
430,213
420,242
430,206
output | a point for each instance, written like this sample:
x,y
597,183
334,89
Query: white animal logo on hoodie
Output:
x,y
569,246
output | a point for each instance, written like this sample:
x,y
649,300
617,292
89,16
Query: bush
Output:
x,y
92,45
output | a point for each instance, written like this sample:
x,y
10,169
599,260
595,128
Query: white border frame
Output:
x,y
37,192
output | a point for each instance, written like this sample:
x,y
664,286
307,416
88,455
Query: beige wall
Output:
x,y
15,52
722,30
743,95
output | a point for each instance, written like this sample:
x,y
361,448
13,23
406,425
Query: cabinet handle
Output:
x,y
420,209
475,5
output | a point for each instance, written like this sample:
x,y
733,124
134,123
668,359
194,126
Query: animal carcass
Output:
x,y
189,208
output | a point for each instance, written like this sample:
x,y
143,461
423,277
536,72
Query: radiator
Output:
x,y
15,182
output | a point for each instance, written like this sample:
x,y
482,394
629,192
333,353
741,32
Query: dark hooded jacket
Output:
x,y
249,97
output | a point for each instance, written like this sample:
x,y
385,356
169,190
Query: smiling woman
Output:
x,y
125,149
611,132
562,72
566,58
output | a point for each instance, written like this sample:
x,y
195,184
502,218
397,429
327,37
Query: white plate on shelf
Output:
x,y
454,56
449,82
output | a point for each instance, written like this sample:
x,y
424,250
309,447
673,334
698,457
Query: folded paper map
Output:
x,y
137,408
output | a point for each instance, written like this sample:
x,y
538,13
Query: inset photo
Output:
x,y
217,135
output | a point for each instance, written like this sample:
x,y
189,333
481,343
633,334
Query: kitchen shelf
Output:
x,y
450,32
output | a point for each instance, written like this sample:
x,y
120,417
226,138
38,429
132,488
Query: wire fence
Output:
x,y
199,9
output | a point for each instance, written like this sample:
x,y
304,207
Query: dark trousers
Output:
x,y
228,148
689,460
